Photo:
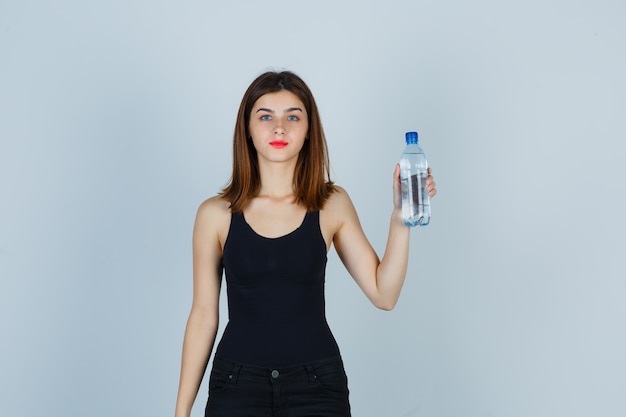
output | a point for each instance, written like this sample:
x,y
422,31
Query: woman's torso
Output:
x,y
275,291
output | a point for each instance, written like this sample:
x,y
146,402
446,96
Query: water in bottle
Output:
x,y
413,175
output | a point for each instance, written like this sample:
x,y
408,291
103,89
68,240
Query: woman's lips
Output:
x,y
278,143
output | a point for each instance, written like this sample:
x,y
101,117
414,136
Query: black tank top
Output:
x,y
275,291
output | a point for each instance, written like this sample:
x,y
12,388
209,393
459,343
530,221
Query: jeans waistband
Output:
x,y
236,368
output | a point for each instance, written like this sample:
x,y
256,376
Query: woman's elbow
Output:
x,y
386,305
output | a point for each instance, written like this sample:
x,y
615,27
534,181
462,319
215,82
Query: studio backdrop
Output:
x,y
116,122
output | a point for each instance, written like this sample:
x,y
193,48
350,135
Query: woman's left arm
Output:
x,y
380,279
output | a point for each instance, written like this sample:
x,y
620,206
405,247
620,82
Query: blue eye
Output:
x,y
293,118
266,117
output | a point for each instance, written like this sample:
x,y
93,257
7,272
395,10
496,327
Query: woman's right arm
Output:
x,y
208,237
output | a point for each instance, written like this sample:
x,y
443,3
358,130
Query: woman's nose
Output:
x,y
278,129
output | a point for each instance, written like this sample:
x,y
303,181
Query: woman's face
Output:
x,y
278,126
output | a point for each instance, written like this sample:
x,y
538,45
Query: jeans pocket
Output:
x,y
219,381
332,378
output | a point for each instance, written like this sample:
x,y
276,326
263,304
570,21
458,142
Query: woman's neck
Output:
x,y
276,180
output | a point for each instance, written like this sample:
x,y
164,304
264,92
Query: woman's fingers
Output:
x,y
431,186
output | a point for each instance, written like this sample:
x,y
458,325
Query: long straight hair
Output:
x,y
311,182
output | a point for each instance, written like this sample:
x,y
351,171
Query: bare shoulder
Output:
x,y
213,219
214,207
338,202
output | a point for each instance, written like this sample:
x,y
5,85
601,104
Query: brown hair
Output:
x,y
312,184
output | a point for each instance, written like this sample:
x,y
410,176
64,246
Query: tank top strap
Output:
x,y
237,221
311,219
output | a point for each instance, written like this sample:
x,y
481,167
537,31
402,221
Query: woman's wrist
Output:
x,y
396,217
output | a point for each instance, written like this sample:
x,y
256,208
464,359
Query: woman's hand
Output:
x,y
431,186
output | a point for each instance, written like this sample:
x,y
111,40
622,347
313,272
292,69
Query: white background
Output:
x,y
116,122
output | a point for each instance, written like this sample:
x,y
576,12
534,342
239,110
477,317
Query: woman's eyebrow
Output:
x,y
286,111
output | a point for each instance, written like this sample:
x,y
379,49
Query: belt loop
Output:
x,y
310,373
234,373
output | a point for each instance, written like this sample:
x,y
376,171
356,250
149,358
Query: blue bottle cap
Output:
x,y
411,138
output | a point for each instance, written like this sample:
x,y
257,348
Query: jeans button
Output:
x,y
275,374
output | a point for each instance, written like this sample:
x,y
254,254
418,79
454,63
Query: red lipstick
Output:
x,y
278,143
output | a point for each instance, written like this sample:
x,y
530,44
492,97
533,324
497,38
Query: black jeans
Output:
x,y
313,389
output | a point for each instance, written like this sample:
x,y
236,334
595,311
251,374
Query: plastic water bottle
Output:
x,y
413,175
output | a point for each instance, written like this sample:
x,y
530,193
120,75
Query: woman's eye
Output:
x,y
266,117
293,118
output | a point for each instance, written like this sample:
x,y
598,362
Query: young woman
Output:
x,y
269,231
